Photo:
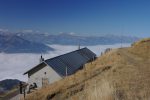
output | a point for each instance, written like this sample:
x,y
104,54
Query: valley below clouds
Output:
x,y
12,66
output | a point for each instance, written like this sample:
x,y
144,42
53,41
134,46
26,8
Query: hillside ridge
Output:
x,y
120,74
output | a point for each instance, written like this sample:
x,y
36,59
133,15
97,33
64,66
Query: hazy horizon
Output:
x,y
69,33
82,17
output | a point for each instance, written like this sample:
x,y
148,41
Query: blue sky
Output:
x,y
85,17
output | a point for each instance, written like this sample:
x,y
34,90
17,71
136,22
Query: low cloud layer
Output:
x,y
12,66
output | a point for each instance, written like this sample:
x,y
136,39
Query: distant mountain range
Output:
x,y
37,43
70,39
10,43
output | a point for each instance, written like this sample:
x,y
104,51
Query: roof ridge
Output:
x,y
66,53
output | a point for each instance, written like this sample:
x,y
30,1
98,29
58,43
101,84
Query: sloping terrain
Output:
x,y
15,44
8,84
120,74
7,87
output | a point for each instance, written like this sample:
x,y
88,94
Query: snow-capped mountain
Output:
x,y
22,42
71,39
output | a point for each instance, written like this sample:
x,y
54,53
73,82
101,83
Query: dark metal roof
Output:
x,y
36,68
87,53
73,61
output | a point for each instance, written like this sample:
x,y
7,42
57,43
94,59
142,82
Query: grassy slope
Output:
x,y
121,74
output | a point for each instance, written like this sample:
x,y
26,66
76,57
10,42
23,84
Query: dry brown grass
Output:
x,y
121,74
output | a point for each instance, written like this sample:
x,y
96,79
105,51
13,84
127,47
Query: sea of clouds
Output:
x,y
12,66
